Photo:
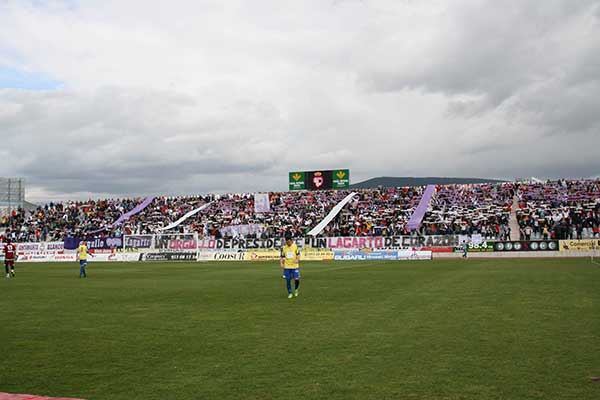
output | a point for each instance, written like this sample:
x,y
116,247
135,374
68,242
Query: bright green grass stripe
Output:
x,y
450,329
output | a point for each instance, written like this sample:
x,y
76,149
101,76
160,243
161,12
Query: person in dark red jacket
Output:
x,y
10,252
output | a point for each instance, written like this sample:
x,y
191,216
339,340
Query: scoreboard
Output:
x,y
319,180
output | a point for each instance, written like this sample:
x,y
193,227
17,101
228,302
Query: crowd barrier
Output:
x,y
189,247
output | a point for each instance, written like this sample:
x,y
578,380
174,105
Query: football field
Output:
x,y
455,329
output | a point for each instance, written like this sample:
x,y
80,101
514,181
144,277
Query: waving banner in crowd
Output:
x,y
186,216
124,217
243,230
417,217
335,211
72,243
190,242
379,242
225,244
262,203
390,242
135,210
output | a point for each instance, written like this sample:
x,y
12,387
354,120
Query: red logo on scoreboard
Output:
x,y
318,179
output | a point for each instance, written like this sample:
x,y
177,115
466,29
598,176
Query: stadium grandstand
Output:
x,y
562,209
328,200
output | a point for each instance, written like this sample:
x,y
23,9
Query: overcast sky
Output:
x,y
135,97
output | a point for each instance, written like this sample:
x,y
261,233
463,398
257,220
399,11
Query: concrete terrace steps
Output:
x,y
513,223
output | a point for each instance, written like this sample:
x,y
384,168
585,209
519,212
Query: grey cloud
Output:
x,y
498,89
559,110
489,49
527,68
118,140
588,64
467,107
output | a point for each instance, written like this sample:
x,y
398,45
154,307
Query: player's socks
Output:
x,y
296,283
288,284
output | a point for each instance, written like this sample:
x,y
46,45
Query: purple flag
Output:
x,y
417,217
125,216
135,210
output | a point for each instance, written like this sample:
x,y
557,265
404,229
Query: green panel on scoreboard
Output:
x,y
341,178
297,181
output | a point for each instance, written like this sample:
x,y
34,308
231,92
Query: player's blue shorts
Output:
x,y
289,273
83,263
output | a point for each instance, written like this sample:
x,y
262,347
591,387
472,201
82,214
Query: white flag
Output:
x,y
262,203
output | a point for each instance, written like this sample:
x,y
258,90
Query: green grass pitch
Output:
x,y
455,329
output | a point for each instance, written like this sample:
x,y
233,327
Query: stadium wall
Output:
x,y
188,247
518,254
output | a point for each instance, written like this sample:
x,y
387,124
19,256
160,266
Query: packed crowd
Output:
x,y
561,209
371,212
54,221
381,212
471,209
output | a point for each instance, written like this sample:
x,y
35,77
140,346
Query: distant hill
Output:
x,y
387,181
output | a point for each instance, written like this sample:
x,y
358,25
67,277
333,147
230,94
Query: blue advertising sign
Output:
x,y
365,255
72,243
